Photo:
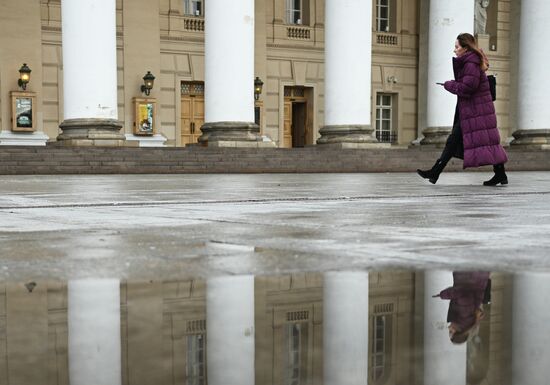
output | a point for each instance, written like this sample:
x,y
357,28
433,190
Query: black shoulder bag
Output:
x,y
493,86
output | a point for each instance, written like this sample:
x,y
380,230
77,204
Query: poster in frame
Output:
x,y
23,111
145,116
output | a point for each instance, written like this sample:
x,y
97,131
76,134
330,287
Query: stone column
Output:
x,y
530,337
230,330
89,74
348,25
94,332
444,363
229,75
345,328
533,78
447,20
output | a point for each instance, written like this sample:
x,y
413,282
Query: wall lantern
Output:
x,y
24,76
258,84
148,80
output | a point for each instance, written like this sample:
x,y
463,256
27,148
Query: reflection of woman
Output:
x,y
465,309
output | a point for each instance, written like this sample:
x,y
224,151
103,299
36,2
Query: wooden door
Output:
x,y
287,128
192,118
299,124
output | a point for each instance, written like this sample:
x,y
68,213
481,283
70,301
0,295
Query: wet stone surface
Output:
x,y
204,225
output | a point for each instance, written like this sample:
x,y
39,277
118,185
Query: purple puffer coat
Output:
x,y
466,296
478,120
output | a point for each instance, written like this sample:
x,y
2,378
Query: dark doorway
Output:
x,y
299,123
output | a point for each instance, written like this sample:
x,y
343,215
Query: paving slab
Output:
x,y
175,226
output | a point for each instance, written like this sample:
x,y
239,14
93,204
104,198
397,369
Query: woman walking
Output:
x,y
475,137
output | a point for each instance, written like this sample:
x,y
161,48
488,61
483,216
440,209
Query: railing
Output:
x,y
193,24
386,136
384,38
299,33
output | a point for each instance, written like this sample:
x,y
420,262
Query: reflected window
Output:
x,y
296,353
193,7
196,359
383,15
378,347
384,118
381,351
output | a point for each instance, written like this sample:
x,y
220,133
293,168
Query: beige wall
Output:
x,y
172,47
20,42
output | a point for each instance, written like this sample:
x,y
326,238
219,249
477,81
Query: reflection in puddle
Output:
x,y
395,327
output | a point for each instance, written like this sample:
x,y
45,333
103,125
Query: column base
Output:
x,y
435,136
92,132
156,140
10,138
357,134
538,139
232,134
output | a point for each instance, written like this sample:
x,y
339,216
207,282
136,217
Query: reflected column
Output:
x,y
444,363
530,336
345,328
230,330
94,332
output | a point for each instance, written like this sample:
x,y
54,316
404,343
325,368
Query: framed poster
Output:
x,y
23,114
145,120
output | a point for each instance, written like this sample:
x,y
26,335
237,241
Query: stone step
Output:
x,y
99,160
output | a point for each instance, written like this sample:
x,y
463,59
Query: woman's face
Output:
x,y
459,51
452,330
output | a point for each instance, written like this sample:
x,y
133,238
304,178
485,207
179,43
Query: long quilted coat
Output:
x,y
478,120
466,296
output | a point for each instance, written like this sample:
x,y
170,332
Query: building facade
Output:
x,y
167,38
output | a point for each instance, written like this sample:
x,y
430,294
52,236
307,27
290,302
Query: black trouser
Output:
x,y
454,145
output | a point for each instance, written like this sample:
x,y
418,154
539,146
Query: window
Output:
x,y
193,7
297,12
296,352
381,346
378,347
384,118
196,359
383,15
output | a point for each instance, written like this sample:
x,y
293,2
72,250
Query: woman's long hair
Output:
x,y
465,40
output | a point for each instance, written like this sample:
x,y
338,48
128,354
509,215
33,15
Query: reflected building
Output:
x,y
272,330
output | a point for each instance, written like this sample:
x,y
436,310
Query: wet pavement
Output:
x,y
177,226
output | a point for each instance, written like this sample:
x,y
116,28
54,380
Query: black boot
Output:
x,y
499,177
433,174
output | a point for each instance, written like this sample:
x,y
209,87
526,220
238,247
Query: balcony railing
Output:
x,y
386,136
299,33
387,39
193,24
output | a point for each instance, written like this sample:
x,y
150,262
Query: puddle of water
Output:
x,y
377,327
